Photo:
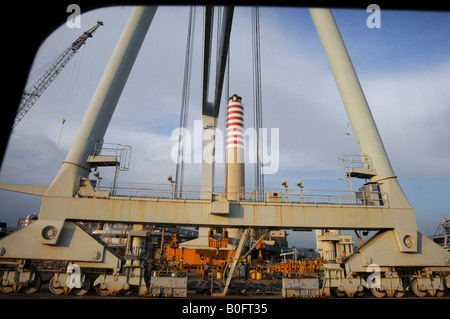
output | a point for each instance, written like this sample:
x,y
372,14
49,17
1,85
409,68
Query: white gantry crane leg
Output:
x,y
362,122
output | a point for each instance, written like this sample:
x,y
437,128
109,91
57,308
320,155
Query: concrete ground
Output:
x,y
238,286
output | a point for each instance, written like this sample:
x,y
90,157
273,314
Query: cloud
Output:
x,y
412,112
31,159
150,155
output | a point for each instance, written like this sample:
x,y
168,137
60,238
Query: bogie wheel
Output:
x,y
362,293
378,293
84,289
339,294
33,286
6,289
415,286
102,292
128,292
55,290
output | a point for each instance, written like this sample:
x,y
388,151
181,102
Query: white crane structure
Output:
x,y
72,197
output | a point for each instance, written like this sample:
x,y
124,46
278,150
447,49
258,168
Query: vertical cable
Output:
x,y
257,92
179,175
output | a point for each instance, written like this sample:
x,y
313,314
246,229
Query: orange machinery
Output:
x,y
195,257
300,266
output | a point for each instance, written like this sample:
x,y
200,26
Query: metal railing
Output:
x,y
149,190
121,152
309,196
346,163
248,194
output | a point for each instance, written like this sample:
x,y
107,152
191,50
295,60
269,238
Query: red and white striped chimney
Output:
x,y
234,153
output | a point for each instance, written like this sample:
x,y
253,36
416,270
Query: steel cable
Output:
x,y
257,105
179,175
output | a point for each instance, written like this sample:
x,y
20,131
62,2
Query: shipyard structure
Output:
x,y
141,238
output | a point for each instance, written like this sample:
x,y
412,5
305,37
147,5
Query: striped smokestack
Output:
x,y
234,153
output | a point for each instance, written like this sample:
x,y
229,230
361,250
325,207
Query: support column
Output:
x,y
103,104
363,124
356,106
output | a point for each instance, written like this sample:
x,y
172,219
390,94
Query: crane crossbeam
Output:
x,y
236,214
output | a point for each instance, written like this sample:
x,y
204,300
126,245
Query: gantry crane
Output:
x,y
31,95
401,256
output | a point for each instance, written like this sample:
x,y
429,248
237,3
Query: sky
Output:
x,y
403,67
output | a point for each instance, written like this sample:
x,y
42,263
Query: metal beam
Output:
x,y
237,258
224,44
208,121
355,103
74,243
200,213
208,18
197,212
38,190
356,106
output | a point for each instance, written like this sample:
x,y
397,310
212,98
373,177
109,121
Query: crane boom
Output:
x,y
31,95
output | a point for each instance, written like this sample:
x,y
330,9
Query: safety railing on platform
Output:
x,y
122,153
167,191
312,196
271,195
346,163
